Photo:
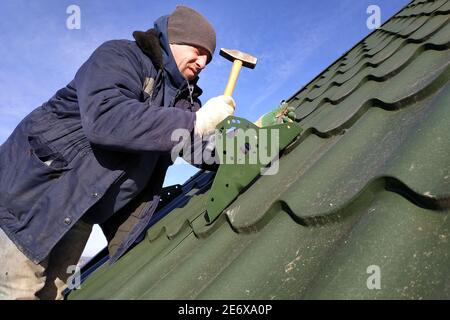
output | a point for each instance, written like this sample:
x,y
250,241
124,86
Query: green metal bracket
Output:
x,y
245,152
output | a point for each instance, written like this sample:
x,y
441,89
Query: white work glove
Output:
x,y
212,113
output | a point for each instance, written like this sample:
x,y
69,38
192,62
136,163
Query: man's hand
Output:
x,y
212,113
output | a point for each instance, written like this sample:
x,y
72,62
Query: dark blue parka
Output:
x,y
98,149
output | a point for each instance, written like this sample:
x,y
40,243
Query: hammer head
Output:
x,y
247,60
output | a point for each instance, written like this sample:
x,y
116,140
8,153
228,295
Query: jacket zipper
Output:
x,y
191,91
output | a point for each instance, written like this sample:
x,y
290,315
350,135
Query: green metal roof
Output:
x,y
366,184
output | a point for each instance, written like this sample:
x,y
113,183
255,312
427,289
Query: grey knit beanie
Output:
x,y
187,26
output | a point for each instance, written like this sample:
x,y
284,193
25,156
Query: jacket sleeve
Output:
x,y
108,87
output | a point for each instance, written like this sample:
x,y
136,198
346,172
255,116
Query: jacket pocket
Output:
x,y
27,170
47,156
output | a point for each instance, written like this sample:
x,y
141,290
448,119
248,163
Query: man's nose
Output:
x,y
201,61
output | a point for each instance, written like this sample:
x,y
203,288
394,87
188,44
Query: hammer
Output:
x,y
239,59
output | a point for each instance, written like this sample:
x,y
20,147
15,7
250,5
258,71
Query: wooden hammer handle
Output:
x,y
237,64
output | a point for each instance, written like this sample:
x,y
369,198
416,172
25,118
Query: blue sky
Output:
x,y
293,40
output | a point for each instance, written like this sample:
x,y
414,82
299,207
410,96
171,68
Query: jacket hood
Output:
x,y
169,64
155,44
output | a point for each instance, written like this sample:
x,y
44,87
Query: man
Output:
x,y
98,151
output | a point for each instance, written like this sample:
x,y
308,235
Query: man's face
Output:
x,y
190,60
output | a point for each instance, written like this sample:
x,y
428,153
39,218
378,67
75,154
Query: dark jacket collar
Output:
x,y
148,42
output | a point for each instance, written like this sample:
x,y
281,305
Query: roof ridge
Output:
x,y
345,53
